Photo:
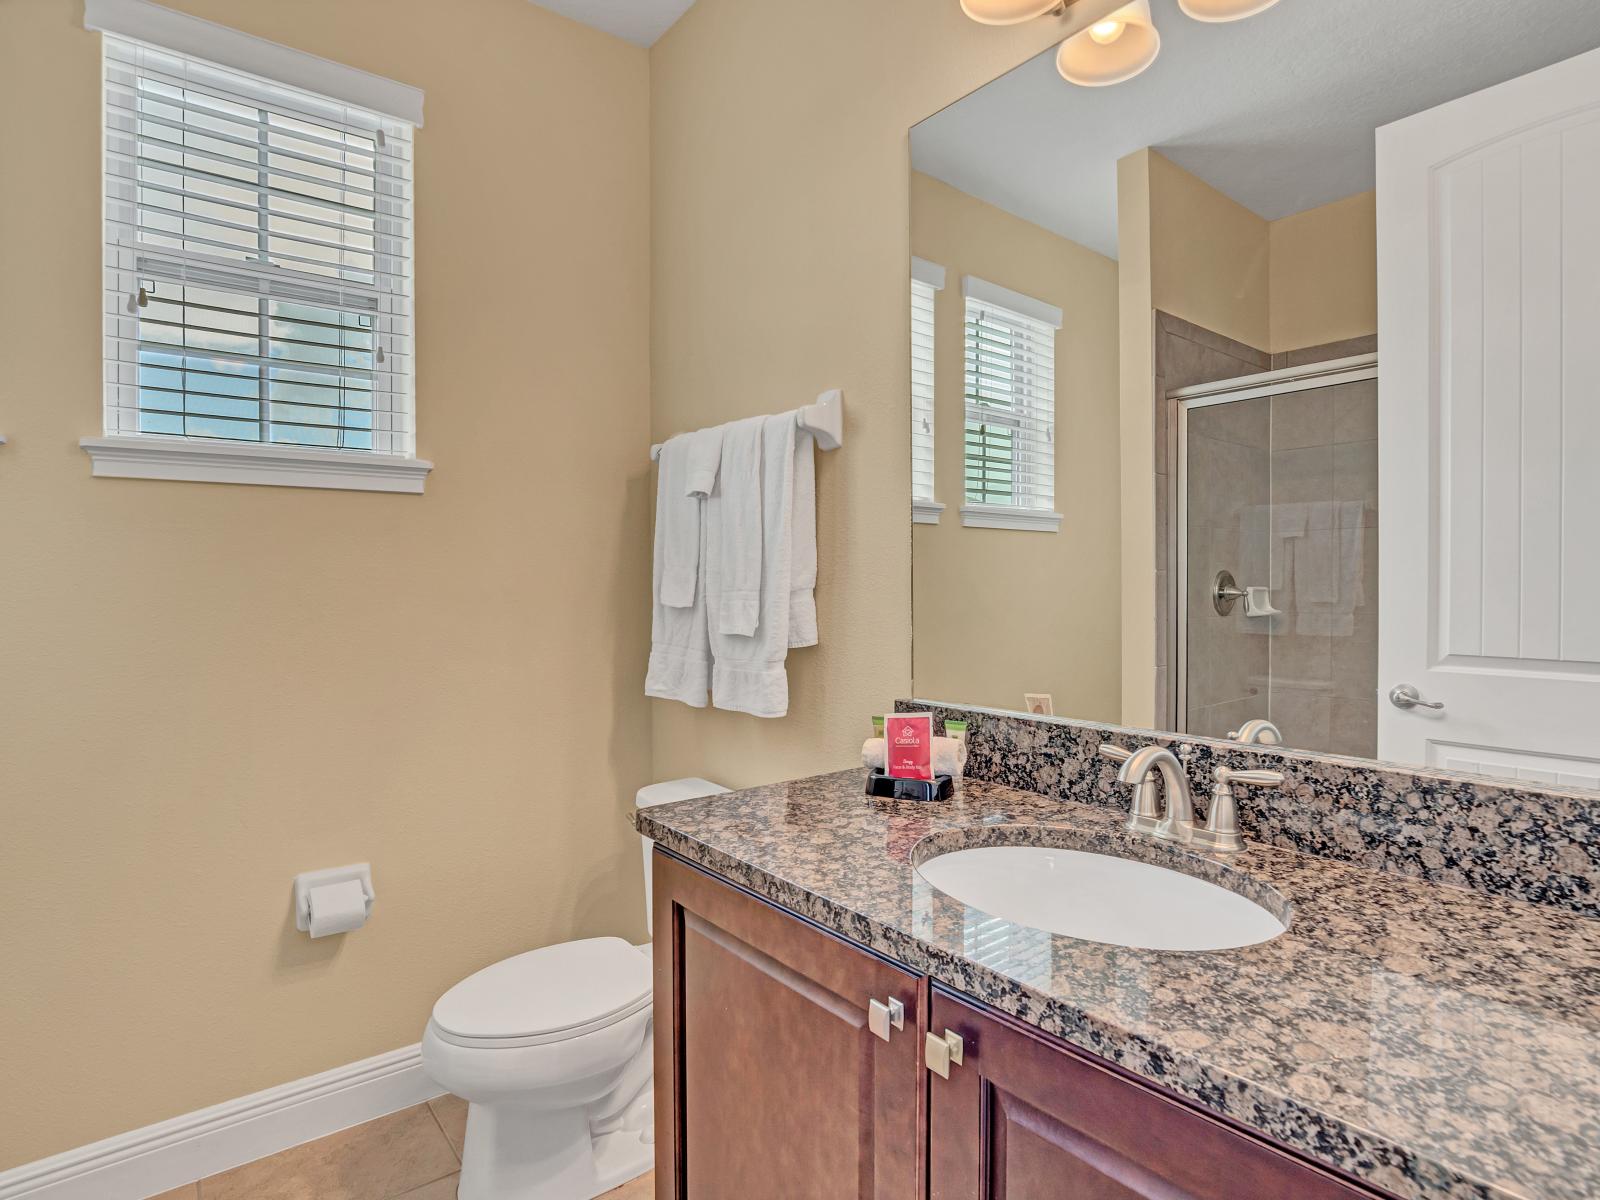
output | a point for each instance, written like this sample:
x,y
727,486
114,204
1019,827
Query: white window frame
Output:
x,y
927,280
1035,424
390,108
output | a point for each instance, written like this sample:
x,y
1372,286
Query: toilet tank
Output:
x,y
666,793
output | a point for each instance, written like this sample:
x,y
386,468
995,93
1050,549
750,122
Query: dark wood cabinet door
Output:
x,y
1024,1117
769,1080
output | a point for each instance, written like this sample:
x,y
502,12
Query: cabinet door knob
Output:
x,y
881,1018
940,1053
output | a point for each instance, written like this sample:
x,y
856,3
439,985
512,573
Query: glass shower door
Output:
x,y
1278,514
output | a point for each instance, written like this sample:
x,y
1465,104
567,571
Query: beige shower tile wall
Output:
x,y
1324,665
1226,442
209,688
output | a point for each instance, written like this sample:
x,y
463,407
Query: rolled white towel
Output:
x,y
949,755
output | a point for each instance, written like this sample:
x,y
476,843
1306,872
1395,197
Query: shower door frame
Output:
x,y
1351,369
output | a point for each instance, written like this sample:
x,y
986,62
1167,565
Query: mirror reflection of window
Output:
x,y
927,280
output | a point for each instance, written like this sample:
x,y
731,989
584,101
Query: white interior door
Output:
x,y
1489,427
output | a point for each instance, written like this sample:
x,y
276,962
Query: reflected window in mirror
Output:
x,y
1009,458
927,279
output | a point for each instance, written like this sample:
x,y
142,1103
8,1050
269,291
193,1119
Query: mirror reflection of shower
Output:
x,y
1276,550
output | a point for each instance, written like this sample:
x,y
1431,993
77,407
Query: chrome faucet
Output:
x,y
1258,731
1139,769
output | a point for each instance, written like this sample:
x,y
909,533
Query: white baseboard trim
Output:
x,y
157,1158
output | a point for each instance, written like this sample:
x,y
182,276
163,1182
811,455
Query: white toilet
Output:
x,y
551,1050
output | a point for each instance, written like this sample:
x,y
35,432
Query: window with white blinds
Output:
x,y
1009,451
927,279
258,283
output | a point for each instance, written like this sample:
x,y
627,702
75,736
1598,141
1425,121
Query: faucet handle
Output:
x,y
1227,775
1114,753
1222,818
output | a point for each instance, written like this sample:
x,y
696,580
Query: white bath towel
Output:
x,y
677,526
748,672
734,530
680,648
803,571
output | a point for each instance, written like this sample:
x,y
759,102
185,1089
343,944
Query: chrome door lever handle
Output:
x,y
882,1018
1403,695
941,1053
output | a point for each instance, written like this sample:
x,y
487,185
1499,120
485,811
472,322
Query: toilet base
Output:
x,y
513,1152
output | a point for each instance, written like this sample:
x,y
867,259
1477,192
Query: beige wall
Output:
x,y
1324,274
210,688
970,585
1136,422
780,241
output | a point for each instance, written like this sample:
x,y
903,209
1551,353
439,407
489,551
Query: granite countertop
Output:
x,y
1431,1040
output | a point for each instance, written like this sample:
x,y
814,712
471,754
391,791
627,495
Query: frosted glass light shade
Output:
x,y
1087,60
1224,10
1006,12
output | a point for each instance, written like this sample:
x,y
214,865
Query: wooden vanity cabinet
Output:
x,y
1028,1117
771,1083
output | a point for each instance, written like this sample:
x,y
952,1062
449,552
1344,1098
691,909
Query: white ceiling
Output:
x,y
638,21
1276,111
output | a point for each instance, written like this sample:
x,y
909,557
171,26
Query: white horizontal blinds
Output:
x,y
921,390
258,259
1010,407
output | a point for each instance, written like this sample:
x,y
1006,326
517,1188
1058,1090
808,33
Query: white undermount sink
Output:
x,y
1100,898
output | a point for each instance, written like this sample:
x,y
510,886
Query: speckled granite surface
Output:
x,y
1534,844
1432,1040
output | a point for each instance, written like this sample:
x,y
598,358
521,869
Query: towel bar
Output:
x,y
823,420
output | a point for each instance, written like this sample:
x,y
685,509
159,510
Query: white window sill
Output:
x,y
925,512
1004,516
149,456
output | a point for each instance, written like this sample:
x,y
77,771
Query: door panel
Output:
x,y
1026,1118
779,1086
1489,246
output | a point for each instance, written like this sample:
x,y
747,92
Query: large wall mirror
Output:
x,y
1264,385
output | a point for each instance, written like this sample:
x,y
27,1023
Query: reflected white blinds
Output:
x,y
922,373
1010,407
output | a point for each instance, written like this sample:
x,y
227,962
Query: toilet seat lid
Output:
x,y
572,986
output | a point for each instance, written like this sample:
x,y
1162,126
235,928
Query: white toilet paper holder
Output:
x,y
306,880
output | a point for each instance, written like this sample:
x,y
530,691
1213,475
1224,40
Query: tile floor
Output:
x,y
414,1154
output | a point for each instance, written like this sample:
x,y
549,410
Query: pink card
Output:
x,y
908,745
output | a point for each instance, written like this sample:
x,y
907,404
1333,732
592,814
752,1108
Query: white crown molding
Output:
x,y
926,512
168,1155
148,456
1003,516
185,34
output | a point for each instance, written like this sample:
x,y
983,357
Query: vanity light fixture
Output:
x,y
1224,10
1007,12
1111,50
1116,47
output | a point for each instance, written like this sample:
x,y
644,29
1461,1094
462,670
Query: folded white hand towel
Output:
x,y
677,527
949,755
747,673
705,456
803,552
680,647
734,529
